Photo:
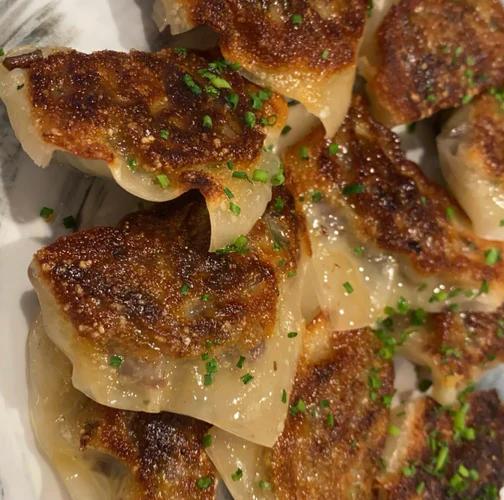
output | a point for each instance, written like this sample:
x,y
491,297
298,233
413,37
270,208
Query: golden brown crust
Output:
x,y
433,54
162,452
461,343
267,35
315,458
151,281
389,202
486,140
143,109
433,427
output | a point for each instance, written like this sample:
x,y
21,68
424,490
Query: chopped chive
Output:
x,y
115,361
292,335
2,52
284,396
246,378
324,55
351,189
492,256
333,149
237,174
204,482
286,130
70,222
348,287
206,441
184,289
394,431
191,84
442,458
230,165
279,178
260,175
250,119
450,213
420,487
296,19
330,420
207,121
164,134
46,213
316,196
235,209
132,164
205,297
467,99
232,100
237,475
484,288
409,470
304,153
299,407
279,204
228,193
240,363
163,181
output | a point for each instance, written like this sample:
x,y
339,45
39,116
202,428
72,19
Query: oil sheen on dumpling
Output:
x,y
381,231
105,454
456,347
335,431
154,322
306,50
159,123
471,149
445,452
422,56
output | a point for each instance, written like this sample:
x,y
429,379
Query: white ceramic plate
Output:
x,y
24,189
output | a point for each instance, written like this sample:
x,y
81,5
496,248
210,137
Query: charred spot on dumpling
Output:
x,y
160,111
151,285
390,204
433,55
338,417
449,452
163,452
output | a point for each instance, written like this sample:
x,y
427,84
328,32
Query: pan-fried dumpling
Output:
x,y
105,454
381,232
335,431
442,452
456,347
429,55
154,322
159,123
471,150
305,50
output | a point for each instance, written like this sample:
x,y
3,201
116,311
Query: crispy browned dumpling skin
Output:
x,y
151,286
432,55
139,105
390,204
314,458
163,451
264,32
430,427
306,50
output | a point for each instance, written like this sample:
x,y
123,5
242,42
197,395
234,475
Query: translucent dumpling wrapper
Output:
x,y
420,57
306,51
471,151
445,452
335,431
381,232
107,454
159,123
456,347
152,321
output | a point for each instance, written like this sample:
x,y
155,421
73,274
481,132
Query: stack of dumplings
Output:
x,y
242,332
